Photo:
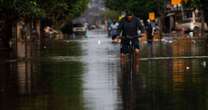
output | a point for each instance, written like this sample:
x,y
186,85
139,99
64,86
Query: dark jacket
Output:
x,y
130,28
149,28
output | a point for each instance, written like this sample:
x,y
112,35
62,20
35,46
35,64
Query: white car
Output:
x,y
190,21
79,28
191,26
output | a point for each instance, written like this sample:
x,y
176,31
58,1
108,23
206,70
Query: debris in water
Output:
x,y
99,42
204,63
188,68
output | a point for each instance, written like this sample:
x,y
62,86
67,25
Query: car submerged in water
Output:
x,y
79,29
188,20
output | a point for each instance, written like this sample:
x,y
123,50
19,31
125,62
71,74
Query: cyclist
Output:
x,y
130,26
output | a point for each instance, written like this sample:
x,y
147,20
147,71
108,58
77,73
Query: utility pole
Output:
x,y
161,17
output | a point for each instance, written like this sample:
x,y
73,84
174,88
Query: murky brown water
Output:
x,y
86,74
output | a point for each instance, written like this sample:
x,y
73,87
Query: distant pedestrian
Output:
x,y
150,32
109,27
114,30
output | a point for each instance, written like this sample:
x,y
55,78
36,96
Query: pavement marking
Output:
x,y
79,58
169,58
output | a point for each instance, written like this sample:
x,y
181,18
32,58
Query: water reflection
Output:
x,y
24,70
102,71
176,47
87,75
170,82
178,84
62,85
43,84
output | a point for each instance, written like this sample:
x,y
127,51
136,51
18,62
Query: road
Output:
x,y
86,74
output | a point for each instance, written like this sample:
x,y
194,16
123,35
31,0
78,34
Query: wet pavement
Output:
x,y
86,74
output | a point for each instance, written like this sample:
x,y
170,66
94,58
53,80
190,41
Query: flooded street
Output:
x,y
86,74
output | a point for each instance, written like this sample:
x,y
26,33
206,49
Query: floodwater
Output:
x,y
86,74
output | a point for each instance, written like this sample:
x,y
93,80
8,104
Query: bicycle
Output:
x,y
130,72
131,57
128,75
131,54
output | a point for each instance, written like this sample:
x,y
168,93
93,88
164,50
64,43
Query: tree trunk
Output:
x,y
203,22
6,33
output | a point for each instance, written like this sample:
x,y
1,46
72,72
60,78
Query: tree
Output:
x,y
58,11
11,11
62,10
138,7
204,4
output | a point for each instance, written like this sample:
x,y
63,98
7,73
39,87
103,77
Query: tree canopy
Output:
x,y
58,9
138,7
142,7
204,4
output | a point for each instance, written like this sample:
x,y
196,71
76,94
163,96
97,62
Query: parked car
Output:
x,y
189,20
79,28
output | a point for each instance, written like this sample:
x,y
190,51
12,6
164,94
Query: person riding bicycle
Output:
x,y
130,26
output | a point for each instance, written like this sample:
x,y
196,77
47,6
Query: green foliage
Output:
x,y
138,7
30,8
111,14
20,8
58,9
204,4
196,3
64,8
192,4
78,7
